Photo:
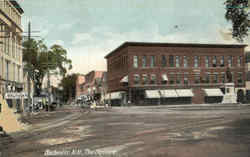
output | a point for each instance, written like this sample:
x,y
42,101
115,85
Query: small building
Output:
x,y
173,73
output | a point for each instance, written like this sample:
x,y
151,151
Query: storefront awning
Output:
x,y
184,92
164,77
124,79
169,93
152,94
213,92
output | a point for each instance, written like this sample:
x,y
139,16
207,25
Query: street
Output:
x,y
158,131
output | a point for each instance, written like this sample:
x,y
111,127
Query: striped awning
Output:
x,y
168,93
152,94
184,92
213,92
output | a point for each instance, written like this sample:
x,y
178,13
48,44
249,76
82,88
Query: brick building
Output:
x,y
166,73
90,84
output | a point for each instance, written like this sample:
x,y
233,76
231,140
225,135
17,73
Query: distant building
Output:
x,y
168,73
90,84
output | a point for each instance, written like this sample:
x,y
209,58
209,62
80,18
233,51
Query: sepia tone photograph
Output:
x,y
124,78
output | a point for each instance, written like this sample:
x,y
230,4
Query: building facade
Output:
x,y
90,84
168,73
11,67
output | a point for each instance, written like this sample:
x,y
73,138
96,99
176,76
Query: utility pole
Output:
x,y
28,76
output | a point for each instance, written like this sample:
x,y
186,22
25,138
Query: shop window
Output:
x,y
207,79
136,79
197,79
144,79
153,79
240,78
185,80
215,78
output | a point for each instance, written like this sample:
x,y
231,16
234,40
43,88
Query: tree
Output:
x,y
237,11
68,85
39,60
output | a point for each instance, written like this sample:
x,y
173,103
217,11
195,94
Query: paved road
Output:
x,y
159,131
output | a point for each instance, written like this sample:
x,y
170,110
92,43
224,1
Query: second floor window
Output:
x,y
152,64
178,79
222,78
177,61
196,61
135,61
207,61
207,80
215,80
239,61
185,61
197,79
144,61
222,61
214,61
163,61
171,61
230,60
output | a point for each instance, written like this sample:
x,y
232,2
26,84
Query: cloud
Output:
x,y
88,49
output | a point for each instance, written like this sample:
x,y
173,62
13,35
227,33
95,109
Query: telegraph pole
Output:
x,y
28,76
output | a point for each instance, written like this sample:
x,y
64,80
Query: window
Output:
x,y
214,61
171,61
207,80
163,61
185,61
207,61
178,79
136,79
196,61
222,61
153,79
164,79
239,61
152,61
171,79
197,79
144,61
222,78
144,79
177,61
230,60
215,78
135,61
185,80
239,78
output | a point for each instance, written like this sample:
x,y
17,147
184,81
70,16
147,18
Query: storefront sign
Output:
x,y
15,95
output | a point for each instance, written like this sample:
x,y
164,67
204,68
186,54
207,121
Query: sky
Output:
x,y
90,29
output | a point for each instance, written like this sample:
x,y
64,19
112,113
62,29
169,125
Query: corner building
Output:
x,y
173,73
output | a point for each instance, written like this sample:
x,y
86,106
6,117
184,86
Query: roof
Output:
x,y
17,6
152,44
